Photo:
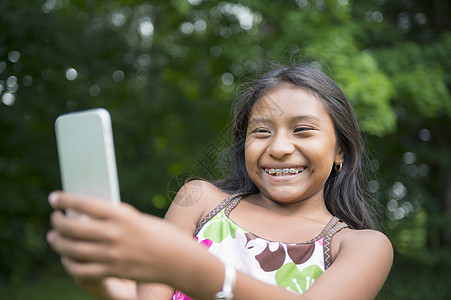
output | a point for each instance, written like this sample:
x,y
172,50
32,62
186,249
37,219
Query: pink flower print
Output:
x,y
180,296
321,241
207,243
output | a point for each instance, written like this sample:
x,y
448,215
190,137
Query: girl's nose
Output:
x,y
280,146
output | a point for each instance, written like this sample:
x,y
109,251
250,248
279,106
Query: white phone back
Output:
x,y
86,154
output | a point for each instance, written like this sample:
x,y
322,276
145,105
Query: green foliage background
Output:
x,y
168,70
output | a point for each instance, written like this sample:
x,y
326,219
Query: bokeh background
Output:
x,y
167,70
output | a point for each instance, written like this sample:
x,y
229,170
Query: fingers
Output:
x,y
77,249
87,249
85,270
91,206
81,228
74,249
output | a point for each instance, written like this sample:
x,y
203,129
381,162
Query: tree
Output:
x,y
167,71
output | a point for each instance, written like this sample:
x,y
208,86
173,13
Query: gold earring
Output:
x,y
338,167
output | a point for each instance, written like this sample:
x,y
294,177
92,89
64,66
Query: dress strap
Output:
x,y
230,202
327,241
329,225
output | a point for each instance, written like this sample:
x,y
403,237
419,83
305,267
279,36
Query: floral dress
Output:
x,y
293,266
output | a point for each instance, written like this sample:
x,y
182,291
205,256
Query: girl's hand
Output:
x,y
110,241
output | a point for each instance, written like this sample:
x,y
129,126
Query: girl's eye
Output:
x,y
261,131
301,129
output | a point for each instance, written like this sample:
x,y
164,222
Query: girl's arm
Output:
x,y
121,242
193,201
360,268
118,241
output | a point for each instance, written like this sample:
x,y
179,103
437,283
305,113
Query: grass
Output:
x,y
51,284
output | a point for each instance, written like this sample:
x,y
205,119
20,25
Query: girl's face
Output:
x,y
290,145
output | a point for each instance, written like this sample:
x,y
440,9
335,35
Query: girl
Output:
x,y
292,221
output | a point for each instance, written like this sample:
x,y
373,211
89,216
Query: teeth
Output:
x,y
285,171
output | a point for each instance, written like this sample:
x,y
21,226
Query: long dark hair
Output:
x,y
344,191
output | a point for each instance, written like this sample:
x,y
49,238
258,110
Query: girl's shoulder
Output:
x,y
193,202
365,256
202,194
362,235
361,262
365,242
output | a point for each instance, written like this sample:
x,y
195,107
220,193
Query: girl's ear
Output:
x,y
339,156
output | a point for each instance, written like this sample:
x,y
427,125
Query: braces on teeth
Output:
x,y
279,172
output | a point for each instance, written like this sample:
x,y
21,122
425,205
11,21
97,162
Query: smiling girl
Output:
x,y
292,221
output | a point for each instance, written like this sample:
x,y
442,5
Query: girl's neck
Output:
x,y
311,208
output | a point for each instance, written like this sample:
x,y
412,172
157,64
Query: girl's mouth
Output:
x,y
284,171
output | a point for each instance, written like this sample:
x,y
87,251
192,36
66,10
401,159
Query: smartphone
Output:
x,y
86,154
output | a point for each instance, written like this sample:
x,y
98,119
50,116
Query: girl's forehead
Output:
x,y
289,101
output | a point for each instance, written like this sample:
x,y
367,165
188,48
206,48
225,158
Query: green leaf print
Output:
x,y
219,227
289,277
